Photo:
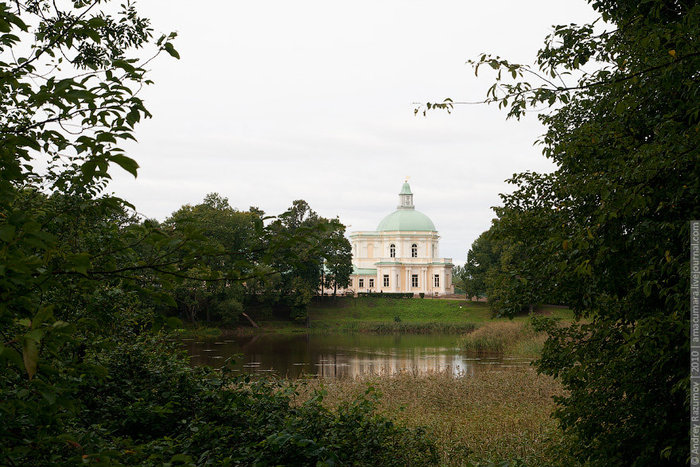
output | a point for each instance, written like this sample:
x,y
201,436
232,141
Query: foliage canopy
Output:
x,y
608,230
87,370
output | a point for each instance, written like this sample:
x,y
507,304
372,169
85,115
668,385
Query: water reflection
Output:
x,y
342,355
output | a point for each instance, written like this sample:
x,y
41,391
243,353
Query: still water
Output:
x,y
342,355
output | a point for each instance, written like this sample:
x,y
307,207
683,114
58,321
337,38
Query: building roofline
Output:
x,y
413,264
399,233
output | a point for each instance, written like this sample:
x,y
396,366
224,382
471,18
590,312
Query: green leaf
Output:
x,y
182,458
126,163
4,26
61,327
97,22
80,94
27,141
93,34
7,233
11,355
88,168
79,263
44,314
105,137
133,116
171,50
49,395
124,65
30,355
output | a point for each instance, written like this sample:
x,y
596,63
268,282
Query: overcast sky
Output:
x,y
274,101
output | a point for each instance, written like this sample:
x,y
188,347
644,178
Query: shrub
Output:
x,y
386,294
151,408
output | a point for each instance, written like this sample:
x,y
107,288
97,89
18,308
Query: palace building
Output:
x,y
402,255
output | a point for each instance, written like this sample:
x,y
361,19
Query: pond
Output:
x,y
342,355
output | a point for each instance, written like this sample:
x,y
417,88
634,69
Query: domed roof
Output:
x,y
406,219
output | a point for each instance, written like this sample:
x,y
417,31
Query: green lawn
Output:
x,y
387,315
414,311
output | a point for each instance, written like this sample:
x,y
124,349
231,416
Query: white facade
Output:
x,y
402,255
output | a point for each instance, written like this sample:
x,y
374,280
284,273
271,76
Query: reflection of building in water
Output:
x,y
421,360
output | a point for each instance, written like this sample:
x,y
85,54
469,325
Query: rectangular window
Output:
x,y
386,280
437,280
414,280
361,283
371,283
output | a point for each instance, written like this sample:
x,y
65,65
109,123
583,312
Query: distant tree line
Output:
x,y
252,260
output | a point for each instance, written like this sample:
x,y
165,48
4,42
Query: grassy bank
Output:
x,y
408,315
399,327
379,316
492,415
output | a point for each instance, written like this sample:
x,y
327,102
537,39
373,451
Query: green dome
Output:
x,y
406,219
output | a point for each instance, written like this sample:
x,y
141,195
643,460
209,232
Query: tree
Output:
x,y
69,80
231,243
86,375
624,133
509,265
68,85
480,259
338,258
458,278
524,274
300,241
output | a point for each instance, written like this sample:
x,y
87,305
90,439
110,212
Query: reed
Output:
x,y
491,415
509,337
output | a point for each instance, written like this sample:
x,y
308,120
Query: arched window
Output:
x,y
392,250
414,251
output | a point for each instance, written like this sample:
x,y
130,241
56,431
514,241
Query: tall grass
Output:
x,y
491,415
200,332
513,338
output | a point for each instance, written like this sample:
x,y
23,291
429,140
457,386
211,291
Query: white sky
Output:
x,y
274,101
